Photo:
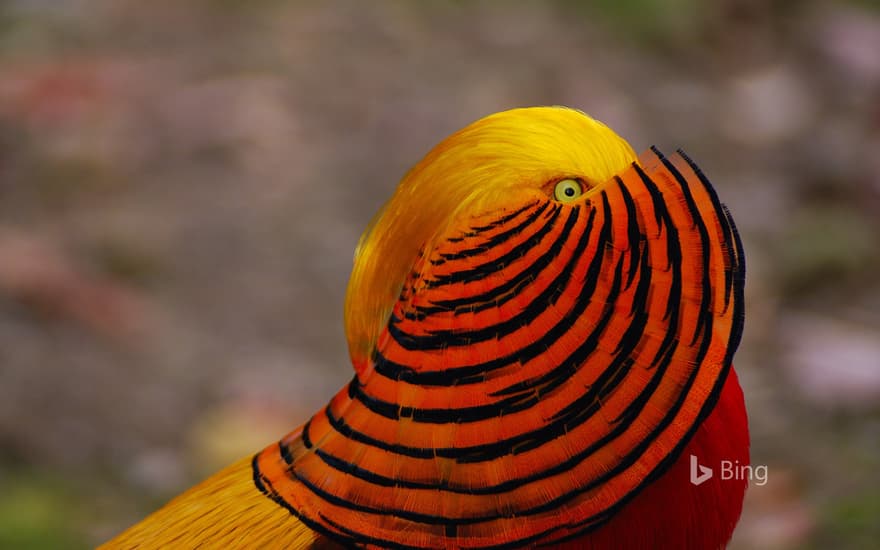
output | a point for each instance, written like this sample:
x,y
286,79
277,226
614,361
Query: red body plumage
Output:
x,y
673,513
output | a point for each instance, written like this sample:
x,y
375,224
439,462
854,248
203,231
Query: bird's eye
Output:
x,y
567,190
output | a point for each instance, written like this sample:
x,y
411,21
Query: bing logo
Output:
x,y
728,470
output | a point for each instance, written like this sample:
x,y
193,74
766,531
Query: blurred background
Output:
x,y
182,185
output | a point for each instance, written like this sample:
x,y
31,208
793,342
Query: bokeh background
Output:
x,y
182,185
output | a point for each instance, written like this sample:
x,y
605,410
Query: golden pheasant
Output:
x,y
541,326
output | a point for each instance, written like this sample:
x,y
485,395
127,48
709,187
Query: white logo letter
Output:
x,y
727,471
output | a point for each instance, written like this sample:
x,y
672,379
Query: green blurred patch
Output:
x,y
653,12
127,261
869,4
62,181
827,247
36,513
646,20
851,522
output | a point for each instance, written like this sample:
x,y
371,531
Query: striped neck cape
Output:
x,y
543,364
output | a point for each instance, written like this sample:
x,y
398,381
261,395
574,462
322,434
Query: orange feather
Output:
x,y
532,368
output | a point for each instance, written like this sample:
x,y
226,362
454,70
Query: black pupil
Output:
x,y
569,191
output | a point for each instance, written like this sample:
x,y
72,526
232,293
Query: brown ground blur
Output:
x,y
182,185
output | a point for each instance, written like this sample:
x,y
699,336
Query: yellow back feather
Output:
x,y
226,507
